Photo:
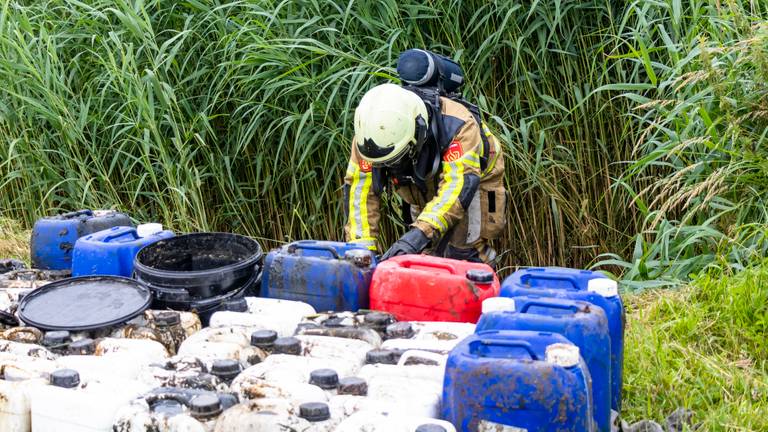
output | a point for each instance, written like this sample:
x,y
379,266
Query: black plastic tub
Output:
x,y
84,303
199,266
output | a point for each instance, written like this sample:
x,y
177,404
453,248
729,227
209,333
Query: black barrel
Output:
x,y
201,271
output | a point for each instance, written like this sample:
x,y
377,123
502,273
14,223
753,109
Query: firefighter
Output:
x,y
431,151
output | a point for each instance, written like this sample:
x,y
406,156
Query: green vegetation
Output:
x,y
633,130
704,348
237,115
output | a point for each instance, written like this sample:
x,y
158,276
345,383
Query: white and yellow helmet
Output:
x,y
387,122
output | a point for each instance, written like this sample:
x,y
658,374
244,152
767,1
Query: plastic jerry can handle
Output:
x,y
121,232
437,358
528,304
409,263
313,246
524,345
551,277
75,214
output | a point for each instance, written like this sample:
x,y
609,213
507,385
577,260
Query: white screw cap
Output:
x,y
147,229
563,354
498,304
100,213
605,287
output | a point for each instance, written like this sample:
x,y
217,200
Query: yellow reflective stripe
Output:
x,y
448,194
368,242
358,205
366,227
437,222
472,159
491,163
351,169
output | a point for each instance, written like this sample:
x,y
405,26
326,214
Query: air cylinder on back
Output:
x,y
424,68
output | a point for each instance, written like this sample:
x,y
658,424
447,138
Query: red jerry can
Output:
x,y
427,288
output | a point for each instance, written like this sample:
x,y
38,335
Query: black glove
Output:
x,y
413,242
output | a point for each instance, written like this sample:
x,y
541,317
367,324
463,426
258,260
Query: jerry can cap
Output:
x,y
225,368
353,386
205,405
480,276
65,378
167,318
236,305
498,304
287,345
263,338
314,411
383,356
326,379
563,355
400,330
605,287
53,338
85,346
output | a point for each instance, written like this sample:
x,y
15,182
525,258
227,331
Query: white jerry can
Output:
x,y
191,373
439,337
409,389
218,343
106,358
71,405
269,416
21,375
282,316
348,355
26,350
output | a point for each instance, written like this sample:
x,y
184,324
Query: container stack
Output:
x,y
166,332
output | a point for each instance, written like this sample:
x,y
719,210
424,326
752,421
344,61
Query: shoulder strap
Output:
x,y
475,111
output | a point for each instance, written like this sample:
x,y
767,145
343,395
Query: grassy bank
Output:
x,y
702,347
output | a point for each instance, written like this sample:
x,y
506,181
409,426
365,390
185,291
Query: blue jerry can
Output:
x,y
511,380
53,238
582,285
330,276
582,323
111,252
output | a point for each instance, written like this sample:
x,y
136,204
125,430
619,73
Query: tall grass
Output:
x,y
699,173
236,115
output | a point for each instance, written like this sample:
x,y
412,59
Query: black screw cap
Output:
x,y
167,318
287,345
83,347
480,276
54,338
314,411
378,320
226,369
326,379
205,406
381,356
334,322
353,386
400,330
66,378
263,339
236,305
